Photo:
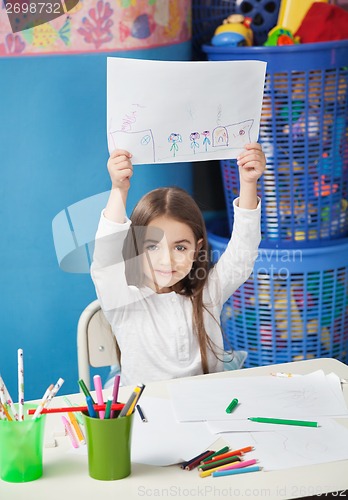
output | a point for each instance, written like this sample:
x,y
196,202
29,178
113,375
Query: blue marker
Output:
x,y
91,410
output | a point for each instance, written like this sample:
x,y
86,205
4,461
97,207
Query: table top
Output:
x,y
66,473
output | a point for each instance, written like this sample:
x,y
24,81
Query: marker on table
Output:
x,y
78,416
302,423
77,428
232,405
99,392
70,432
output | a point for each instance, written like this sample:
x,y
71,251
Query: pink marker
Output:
x,y
99,393
70,432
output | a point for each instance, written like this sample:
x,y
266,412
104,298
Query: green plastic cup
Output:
x,y
109,447
21,447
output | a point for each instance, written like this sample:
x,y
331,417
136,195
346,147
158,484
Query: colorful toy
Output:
x,y
280,36
292,12
234,31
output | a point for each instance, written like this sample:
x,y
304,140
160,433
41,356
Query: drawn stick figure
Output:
x,y
174,139
206,140
193,138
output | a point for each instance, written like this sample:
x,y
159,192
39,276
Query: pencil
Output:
x,y
241,451
216,463
20,385
42,403
191,464
218,473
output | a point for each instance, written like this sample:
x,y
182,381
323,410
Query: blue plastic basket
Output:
x,y
294,306
207,15
304,134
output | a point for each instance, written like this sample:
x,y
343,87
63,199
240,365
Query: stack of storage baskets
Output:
x,y
295,304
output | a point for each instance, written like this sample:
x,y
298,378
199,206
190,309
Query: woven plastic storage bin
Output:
x,y
304,134
294,306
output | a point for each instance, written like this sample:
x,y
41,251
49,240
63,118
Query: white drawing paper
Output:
x,y
302,398
164,441
170,111
295,446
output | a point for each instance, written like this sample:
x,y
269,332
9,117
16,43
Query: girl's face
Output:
x,y
169,252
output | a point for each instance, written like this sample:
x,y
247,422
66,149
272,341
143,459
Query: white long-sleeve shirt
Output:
x,y
154,330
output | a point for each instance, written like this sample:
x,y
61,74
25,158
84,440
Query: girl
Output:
x,y
152,277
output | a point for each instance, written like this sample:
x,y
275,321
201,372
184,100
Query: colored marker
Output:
x,y
141,413
76,426
77,414
85,390
99,392
91,410
70,432
232,405
115,393
108,408
302,423
66,409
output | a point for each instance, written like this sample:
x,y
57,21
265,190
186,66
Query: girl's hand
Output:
x,y
120,169
251,163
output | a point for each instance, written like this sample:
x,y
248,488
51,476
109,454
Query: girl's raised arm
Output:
x,y
120,170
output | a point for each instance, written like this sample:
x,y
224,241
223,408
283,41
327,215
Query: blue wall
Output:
x,y
53,153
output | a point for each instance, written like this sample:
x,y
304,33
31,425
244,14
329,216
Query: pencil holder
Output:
x,y
109,447
21,446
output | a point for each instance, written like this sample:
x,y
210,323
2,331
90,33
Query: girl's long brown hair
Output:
x,y
178,204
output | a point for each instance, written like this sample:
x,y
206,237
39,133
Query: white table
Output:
x,y
66,473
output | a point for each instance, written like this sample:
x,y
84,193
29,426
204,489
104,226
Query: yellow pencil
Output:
x,y
137,391
206,473
76,426
5,410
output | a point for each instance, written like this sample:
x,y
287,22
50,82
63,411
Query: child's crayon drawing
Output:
x,y
172,120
